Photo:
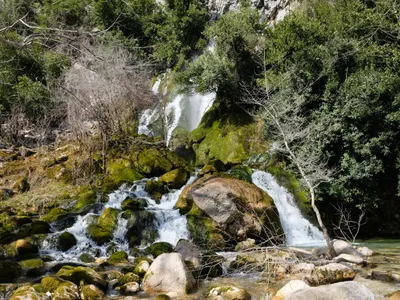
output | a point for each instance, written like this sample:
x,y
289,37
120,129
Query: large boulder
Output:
x,y
238,208
168,273
141,227
66,241
33,267
155,162
342,290
350,258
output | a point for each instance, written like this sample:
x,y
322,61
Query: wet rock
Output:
x,y
229,293
134,204
175,179
129,277
168,273
118,257
344,247
156,189
66,241
85,274
208,169
91,292
341,290
159,248
365,251
291,287
102,230
350,258
66,290
385,276
28,292
50,284
331,273
130,288
26,247
141,227
242,172
111,275
33,267
155,162
9,271
141,268
87,258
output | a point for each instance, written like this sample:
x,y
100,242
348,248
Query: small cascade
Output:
x,y
298,230
170,225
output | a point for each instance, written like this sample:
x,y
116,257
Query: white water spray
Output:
x,y
298,230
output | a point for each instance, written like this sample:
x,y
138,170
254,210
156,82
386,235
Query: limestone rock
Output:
x,y
365,251
189,252
141,268
342,290
168,273
66,290
229,293
344,247
291,287
350,258
130,288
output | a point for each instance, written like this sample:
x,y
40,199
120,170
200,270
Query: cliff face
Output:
x,y
273,10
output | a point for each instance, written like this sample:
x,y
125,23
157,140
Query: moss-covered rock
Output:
x,y
118,257
175,179
130,288
32,267
163,297
85,199
21,185
134,204
66,241
26,247
159,248
31,229
27,292
91,292
128,277
102,230
120,171
87,258
50,284
66,291
84,274
208,170
141,227
141,268
242,172
9,271
54,214
156,189
155,162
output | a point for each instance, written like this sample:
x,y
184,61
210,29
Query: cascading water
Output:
x,y
298,230
171,226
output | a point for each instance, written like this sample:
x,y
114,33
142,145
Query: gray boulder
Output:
x,y
345,247
342,290
168,273
350,258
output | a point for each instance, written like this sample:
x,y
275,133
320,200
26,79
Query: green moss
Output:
x,y
153,163
26,292
120,171
242,172
163,297
102,230
159,248
84,274
85,199
21,185
175,179
91,292
32,267
184,205
156,189
53,215
87,258
118,257
129,277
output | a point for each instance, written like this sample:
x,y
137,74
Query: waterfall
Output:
x,y
186,110
298,230
170,225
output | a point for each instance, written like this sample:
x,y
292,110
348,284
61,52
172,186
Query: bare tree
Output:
x,y
282,109
105,90
347,227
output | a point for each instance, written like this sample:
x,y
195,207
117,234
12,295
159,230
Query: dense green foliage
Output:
x,y
333,65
